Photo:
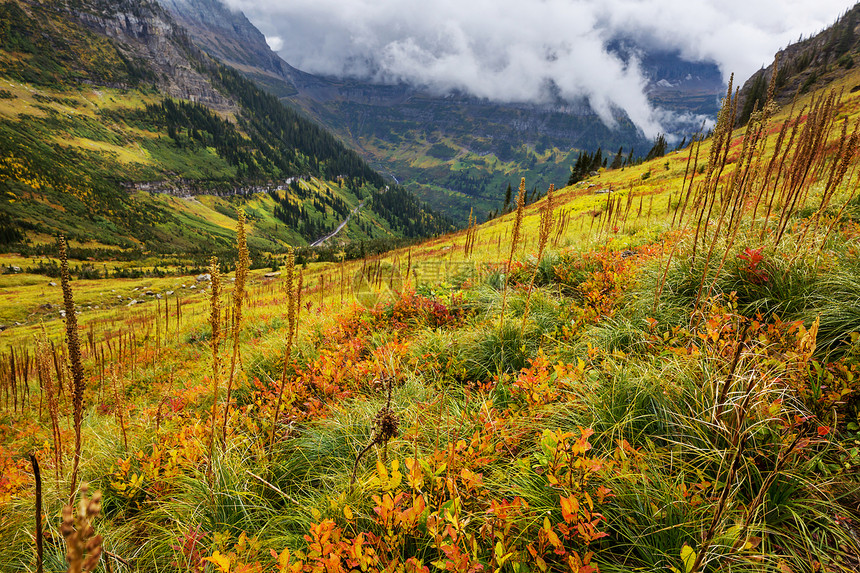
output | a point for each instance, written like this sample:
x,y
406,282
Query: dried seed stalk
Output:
x,y
44,358
83,548
74,346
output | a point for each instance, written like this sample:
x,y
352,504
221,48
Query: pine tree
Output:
x,y
619,159
659,148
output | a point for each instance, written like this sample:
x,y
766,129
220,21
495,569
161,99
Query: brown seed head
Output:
x,y
215,303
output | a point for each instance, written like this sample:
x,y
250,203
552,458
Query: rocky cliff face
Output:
x,y
230,37
144,30
225,34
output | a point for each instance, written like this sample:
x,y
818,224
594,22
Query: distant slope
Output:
x,y
807,65
457,152
101,99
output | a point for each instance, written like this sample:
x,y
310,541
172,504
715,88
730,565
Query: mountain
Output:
x,y
455,151
231,38
807,64
116,130
674,84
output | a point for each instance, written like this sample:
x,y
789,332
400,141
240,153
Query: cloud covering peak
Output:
x,y
531,50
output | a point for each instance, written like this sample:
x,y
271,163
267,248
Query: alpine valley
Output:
x,y
230,342
458,153
115,130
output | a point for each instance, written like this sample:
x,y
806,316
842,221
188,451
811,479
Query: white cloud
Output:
x,y
514,50
275,42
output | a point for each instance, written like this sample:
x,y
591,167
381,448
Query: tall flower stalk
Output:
x,y
214,342
546,225
291,331
515,237
242,265
73,344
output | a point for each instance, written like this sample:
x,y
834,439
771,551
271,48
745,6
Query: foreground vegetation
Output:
x,y
662,377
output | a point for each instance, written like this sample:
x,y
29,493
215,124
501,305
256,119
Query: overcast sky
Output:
x,y
508,50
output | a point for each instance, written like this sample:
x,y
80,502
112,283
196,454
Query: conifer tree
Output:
x,y
619,159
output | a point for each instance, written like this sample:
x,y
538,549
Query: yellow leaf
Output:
x,y
396,476
381,471
688,556
347,512
284,558
222,562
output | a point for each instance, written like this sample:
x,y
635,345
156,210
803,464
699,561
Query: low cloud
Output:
x,y
275,42
531,50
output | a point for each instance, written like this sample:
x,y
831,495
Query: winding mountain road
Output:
x,y
322,240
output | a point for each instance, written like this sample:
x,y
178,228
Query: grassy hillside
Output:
x,y
660,377
459,180
460,155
